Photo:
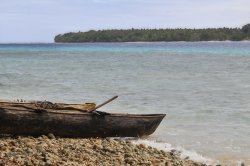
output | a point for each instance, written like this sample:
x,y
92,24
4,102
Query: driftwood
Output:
x,y
72,120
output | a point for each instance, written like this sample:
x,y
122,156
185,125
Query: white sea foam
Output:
x,y
168,147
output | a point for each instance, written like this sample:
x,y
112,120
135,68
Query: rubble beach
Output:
x,y
49,150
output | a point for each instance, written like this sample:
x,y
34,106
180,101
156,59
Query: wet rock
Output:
x,y
142,146
51,136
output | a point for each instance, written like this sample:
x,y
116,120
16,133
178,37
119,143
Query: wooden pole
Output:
x,y
106,102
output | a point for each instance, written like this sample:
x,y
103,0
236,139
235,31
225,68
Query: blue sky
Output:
x,y
41,20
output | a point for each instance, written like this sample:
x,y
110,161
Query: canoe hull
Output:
x,y
77,125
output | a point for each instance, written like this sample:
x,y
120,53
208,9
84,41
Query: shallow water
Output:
x,y
203,87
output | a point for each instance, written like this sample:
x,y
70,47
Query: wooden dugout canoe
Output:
x,y
73,120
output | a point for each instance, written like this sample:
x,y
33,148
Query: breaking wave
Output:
x,y
192,155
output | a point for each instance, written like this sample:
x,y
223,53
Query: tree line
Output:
x,y
148,35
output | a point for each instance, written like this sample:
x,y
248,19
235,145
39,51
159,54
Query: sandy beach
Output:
x,y
48,150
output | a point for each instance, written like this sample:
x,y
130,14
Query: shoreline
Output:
x,y
48,150
132,42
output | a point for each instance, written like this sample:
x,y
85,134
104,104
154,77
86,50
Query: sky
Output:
x,y
25,21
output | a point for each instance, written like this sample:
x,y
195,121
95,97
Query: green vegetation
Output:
x,y
133,35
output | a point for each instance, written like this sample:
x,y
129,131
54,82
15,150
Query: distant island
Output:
x,y
151,35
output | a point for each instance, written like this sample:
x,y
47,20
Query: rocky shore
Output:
x,y
50,151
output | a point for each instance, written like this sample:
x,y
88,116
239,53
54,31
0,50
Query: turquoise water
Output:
x,y
203,87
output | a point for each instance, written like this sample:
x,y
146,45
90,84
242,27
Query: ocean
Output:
x,y
203,87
